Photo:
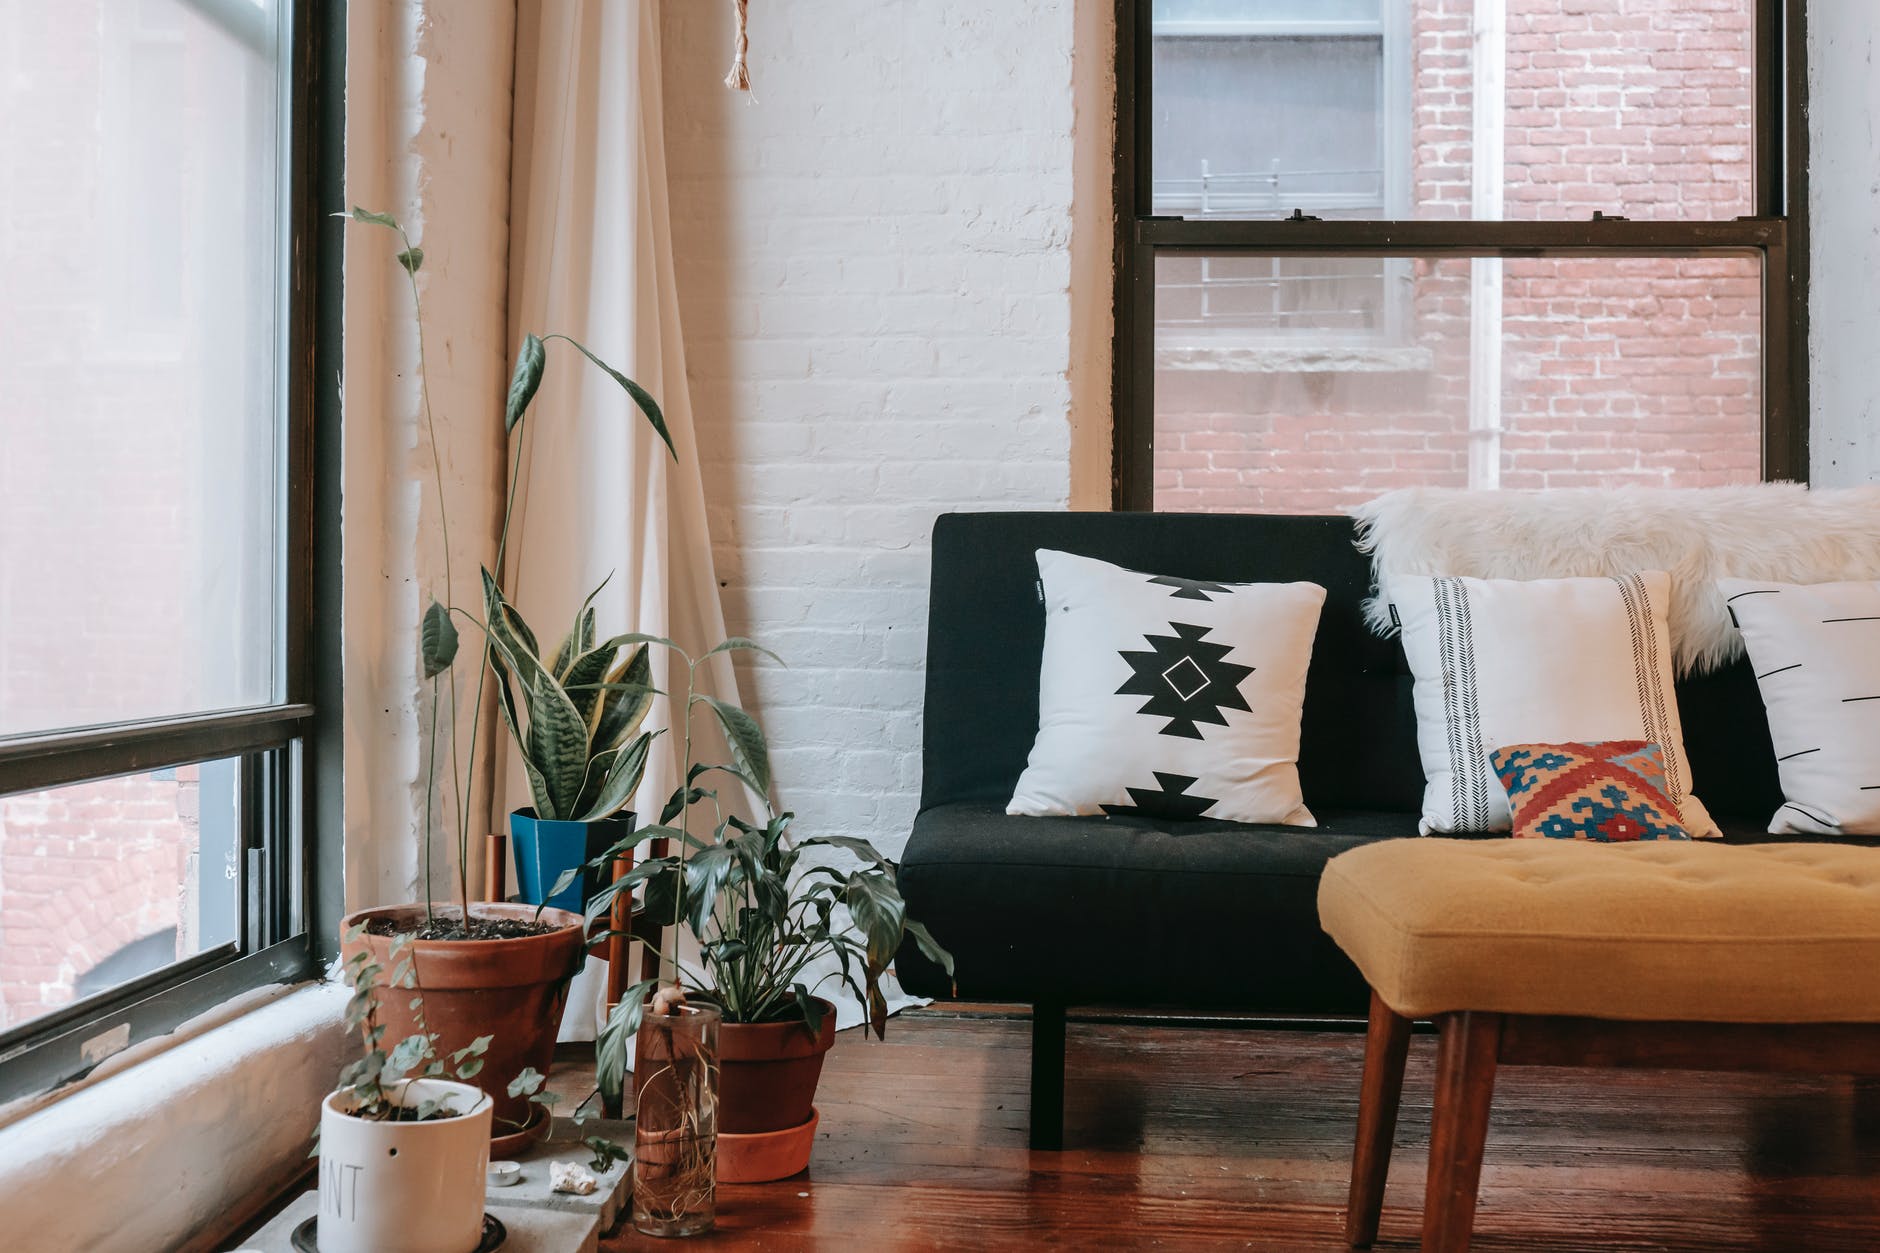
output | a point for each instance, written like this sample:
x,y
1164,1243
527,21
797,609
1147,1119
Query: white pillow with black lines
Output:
x,y
1816,652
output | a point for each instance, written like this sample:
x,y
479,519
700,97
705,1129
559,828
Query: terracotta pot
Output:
x,y
766,1155
768,1073
510,990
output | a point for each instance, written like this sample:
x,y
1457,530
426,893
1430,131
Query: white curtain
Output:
x,y
591,257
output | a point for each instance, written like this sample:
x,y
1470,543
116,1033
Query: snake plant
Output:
x,y
575,715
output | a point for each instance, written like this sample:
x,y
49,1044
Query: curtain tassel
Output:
x,y
739,79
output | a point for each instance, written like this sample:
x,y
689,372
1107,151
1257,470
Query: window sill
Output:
x,y
171,1145
1314,359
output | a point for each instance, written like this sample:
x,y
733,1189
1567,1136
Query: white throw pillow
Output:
x,y
1816,651
1168,697
1548,661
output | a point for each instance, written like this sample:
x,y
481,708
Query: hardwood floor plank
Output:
x,y
1205,1138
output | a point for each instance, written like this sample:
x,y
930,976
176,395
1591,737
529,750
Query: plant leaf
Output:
x,y
524,381
705,877
411,259
528,1083
502,620
640,396
875,904
622,780
624,704
812,1010
610,1047
437,638
506,702
923,940
851,844
747,741
738,642
377,219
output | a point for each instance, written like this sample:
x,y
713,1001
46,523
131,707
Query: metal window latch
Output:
x,y
1300,215
1609,217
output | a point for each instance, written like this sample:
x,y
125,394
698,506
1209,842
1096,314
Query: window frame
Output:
x,y
1778,230
286,752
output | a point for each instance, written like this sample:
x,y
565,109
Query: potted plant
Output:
x,y
765,916
404,1150
498,972
574,718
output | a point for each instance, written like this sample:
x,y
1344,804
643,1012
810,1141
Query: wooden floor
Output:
x,y
1231,1138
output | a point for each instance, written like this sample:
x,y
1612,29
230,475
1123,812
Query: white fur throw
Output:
x,y
1777,531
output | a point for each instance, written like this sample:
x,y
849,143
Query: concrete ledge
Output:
x,y
175,1150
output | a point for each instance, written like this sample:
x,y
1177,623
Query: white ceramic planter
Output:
x,y
405,1187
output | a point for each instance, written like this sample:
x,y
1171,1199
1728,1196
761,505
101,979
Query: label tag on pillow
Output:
x,y
1395,621
1039,584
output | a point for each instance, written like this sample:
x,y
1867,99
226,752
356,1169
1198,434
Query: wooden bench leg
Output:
x,y
1386,1045
1047,1077
1466,1053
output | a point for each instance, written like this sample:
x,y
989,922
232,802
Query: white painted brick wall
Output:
x,y
874,266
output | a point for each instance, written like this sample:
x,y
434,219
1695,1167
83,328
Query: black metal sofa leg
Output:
x,y
1047,1077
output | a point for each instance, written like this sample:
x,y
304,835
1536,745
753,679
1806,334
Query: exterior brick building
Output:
x,y
1609,371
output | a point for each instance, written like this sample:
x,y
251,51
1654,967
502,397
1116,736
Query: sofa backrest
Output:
x,y
985,637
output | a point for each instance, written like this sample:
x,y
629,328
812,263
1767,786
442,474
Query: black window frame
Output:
x,y
1778,231
288,751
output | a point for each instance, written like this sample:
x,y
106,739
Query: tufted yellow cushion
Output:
x,y
1650,931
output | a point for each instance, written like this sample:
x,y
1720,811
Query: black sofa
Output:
x,y
1201,915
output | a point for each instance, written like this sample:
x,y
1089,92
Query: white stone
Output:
x,y
571,1177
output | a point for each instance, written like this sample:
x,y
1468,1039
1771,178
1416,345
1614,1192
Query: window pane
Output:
x,y
102,882
1528,373
1643,108
139,246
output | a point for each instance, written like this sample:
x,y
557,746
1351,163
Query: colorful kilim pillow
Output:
x,y
1608,792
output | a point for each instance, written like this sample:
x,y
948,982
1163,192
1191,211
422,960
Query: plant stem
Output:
x,y
685,810
430,785
443,521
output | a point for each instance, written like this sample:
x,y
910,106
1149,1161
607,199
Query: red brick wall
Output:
x,y
86,870
1613,371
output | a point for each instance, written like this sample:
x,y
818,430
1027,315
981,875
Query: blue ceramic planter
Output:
x,y
545,850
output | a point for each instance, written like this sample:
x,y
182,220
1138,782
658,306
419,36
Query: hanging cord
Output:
x,y
739,79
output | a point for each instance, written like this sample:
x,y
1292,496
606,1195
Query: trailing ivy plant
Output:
x,y
553,752
763,916
376,1082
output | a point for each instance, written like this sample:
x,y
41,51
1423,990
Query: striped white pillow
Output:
x,y
1543,661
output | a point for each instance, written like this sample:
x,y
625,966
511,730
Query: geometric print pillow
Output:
x,y
1609,793
1168,697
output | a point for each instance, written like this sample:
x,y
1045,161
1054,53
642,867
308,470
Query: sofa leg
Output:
x,y
1047,1077
1386,1045
1466,1054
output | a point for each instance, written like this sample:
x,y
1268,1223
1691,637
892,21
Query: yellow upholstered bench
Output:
x,y
1559,953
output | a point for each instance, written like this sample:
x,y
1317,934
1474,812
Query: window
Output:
x,y
156,518
1366,244
1318,91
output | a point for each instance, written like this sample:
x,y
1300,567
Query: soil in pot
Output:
x,y
769,1072
511,987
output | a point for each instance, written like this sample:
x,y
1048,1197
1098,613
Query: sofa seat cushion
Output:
x,y
1132,910
1690,932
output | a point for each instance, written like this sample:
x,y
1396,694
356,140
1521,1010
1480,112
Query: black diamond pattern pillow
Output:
x,y
1168,697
